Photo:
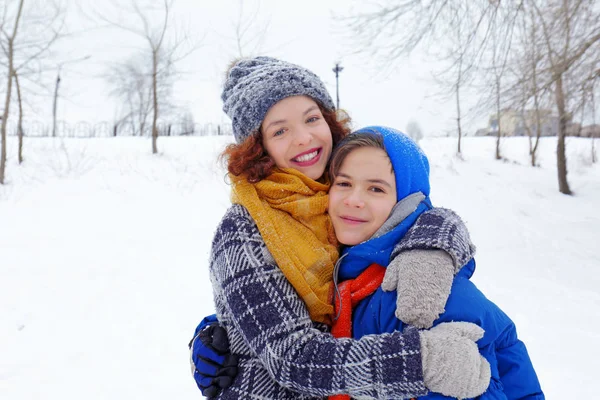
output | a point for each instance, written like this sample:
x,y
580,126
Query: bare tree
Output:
x,y
571,31
532,60
456,29
413,129
25,44
459,72
187,124
155,43
500,49
585,103
454,78
593,104
152,24
131,83
525,93
246,30
393,29
10,40
249,35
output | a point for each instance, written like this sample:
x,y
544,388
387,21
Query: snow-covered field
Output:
x,y
104,248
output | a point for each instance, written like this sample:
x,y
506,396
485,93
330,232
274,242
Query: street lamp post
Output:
x,y
337,71
54,104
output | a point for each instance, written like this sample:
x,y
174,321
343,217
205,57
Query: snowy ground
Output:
x,y
104,247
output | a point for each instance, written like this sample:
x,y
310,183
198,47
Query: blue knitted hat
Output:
x,y
254,85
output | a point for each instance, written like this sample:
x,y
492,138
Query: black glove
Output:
x,y
213,366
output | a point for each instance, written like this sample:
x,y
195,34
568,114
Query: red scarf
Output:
x,y
350,293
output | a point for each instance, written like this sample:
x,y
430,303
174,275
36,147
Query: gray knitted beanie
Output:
x,y
254,85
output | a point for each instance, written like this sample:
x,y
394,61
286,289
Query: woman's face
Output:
x,y
362,195
296,135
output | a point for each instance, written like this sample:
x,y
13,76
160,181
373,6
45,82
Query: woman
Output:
x,y
274,253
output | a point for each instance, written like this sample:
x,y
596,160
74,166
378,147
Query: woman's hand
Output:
x,y
213,367
452,364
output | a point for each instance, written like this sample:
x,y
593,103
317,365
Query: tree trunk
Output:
x,y
54,104
593,132
20,124
531,146
561,158
458,113
538,121
6,112
458,122
538,133
154,101
11,41
594,159
498,155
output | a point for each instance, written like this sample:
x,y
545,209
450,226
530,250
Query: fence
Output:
x,y
85,129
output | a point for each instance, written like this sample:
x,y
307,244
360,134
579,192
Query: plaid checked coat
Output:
x,y
283,354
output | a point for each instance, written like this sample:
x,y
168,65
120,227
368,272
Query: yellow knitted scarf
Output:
x,y
290,211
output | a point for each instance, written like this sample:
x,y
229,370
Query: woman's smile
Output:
x,y
308,158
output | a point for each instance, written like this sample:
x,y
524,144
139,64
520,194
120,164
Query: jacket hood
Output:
x,y
411,166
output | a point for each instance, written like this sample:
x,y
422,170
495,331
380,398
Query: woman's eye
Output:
x,y
312,119
342,184
279,132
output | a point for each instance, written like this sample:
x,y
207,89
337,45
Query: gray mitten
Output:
x,y
422,280
452,364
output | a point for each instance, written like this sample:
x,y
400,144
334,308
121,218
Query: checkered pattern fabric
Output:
x,y
440,228
283,355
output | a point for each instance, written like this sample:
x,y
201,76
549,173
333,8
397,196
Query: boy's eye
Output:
x,y
376,189
342,184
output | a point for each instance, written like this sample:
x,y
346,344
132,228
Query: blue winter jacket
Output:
x,y
513,376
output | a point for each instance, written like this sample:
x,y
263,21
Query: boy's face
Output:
x,y
362,195
296,135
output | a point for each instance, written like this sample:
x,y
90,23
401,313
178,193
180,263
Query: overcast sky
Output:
x,y
304,32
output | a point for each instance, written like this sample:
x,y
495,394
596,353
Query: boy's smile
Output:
x,y
362,195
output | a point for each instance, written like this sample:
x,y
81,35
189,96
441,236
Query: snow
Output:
x,y
104,249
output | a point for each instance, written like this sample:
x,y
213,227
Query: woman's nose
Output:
x,y
302,136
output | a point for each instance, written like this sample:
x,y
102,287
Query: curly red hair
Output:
x,y
251,158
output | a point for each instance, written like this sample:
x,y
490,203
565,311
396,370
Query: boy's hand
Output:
x,y
422,280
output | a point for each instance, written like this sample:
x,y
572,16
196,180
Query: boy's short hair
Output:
x,y
350,143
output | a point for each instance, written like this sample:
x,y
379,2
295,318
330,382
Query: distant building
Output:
x,y
482,132
591,131
524,123
574,129
521,123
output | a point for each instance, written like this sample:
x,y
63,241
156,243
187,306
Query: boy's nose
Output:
x,y
354,200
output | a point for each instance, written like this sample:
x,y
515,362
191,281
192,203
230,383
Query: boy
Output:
x,y
372,208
